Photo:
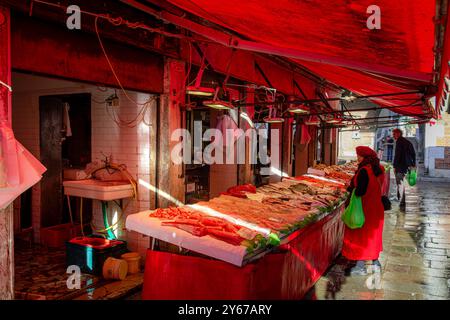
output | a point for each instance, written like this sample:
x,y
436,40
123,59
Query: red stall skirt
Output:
x,y
288,274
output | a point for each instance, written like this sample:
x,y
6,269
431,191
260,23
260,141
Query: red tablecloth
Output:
x,y
286,274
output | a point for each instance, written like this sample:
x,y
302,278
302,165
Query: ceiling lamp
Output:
x,y
218,104
197,89
297,109
200,91
332,119
312,121
272,118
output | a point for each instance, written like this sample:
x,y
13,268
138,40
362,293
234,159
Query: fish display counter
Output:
x,y
271,242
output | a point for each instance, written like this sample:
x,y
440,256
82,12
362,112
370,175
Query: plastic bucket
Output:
x,y
133,259
115,269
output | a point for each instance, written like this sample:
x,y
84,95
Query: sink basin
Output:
x,y
99,190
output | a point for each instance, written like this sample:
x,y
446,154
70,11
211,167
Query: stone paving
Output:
x,y
416,253
41,274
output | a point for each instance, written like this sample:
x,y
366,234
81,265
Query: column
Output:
x,y
6,215
171,188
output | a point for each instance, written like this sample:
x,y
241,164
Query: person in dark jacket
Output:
x,y
404,160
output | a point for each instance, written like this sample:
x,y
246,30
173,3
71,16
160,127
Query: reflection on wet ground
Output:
x,y
416,253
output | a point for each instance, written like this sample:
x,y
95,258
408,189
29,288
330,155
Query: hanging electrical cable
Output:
x,y
113,114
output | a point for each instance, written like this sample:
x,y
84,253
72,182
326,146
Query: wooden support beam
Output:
x,y
6,254
170,188
47,49
286,141
6,215
134,37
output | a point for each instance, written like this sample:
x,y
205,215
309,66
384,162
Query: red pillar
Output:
x,y
5,65
6,219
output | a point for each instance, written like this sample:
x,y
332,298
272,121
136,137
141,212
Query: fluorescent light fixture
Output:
x,y
297,108
272,117
197,89
273,120
300,109
219,105
332,120
200,91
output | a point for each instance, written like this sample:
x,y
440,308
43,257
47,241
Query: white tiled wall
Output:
x,y
129,146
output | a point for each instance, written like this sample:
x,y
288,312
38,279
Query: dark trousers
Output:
x,y
400,181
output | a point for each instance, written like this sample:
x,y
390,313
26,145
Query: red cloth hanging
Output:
x,y
305,136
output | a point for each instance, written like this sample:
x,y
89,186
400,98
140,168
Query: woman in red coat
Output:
x,y
366,243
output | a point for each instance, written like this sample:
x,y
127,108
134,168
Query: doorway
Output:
x,y
65,143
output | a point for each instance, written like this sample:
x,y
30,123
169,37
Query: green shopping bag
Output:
x,y
353,216
411,177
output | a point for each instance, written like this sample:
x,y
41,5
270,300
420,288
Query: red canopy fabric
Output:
x,y
445,67
331,37
363,84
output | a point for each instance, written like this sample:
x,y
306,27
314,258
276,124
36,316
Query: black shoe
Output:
x,y
402,207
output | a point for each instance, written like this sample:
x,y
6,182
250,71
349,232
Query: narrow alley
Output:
x,y
416,253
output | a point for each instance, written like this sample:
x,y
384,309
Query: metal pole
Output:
x,y
338,99
369,109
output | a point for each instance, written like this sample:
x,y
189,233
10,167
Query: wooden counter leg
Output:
x,y
6,254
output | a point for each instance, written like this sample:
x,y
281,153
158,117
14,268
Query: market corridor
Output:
x,y
416,256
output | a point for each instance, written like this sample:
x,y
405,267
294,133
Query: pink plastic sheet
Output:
x,y
22,169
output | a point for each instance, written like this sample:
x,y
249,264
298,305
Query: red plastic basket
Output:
x,y
96,243
56,236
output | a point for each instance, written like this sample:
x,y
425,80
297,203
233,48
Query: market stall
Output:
x,y
271,242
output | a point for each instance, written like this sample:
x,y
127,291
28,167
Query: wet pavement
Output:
x,y
41,274
415,262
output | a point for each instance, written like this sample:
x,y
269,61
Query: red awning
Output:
x,y
363,84
442,97
331,38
